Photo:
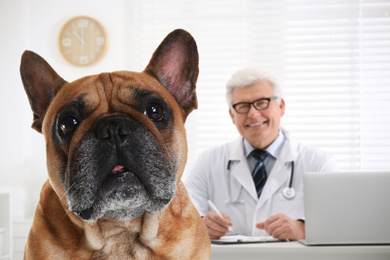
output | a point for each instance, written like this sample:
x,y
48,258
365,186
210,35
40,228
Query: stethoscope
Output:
x,y
288,192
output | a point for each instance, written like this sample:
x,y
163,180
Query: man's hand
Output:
x,y
217,226
282,227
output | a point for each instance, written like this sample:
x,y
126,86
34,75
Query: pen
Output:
x,y
213,207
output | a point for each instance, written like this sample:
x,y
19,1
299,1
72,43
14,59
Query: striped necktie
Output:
x,y
259,175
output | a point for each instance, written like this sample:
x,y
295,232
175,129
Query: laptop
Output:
x,y
347,208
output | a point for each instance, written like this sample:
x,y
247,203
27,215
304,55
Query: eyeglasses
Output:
x,y
259,104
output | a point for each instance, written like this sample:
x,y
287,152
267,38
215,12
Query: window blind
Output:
x,y
374,78
332,59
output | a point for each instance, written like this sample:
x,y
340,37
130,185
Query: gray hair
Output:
x,y
249,76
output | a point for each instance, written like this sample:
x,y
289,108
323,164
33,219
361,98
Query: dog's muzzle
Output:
x,y
119,170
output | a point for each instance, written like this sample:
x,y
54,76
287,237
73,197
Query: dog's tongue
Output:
x,y
117,168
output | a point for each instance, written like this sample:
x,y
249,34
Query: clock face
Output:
x,y
82,41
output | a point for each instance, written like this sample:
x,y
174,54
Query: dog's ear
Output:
x,y
41,84
175,65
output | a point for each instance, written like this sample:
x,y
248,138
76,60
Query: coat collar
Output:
x,y
279,175
239,170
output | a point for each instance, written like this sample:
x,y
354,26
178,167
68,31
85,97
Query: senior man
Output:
x,y
256,181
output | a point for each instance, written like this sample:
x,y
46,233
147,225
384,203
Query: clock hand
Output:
x,y
78,37
82,34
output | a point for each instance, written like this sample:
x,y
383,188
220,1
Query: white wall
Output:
x,y
35,25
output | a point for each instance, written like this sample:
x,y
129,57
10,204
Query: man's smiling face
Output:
x,y
259,127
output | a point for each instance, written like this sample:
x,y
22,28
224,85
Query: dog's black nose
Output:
x,y
112,126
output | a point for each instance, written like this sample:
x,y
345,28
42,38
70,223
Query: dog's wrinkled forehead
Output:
x,y
112,92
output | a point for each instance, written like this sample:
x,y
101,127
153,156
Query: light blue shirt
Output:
x,y
274,150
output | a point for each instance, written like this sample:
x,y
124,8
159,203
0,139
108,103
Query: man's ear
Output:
x,y
282,107
41,84
231,115
175,65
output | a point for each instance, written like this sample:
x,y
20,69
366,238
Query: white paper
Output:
x,y
244,239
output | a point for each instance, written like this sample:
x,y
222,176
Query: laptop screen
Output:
x,y
347,207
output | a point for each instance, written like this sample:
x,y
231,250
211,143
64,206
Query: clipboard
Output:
x,y
240,239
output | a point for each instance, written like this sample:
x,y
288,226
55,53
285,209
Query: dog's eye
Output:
x,y
155,112
69,125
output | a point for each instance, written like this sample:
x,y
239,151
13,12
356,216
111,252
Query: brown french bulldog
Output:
x,y
116,150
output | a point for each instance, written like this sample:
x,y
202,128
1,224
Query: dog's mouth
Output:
x,y
118,169
124,194
121,172
120,175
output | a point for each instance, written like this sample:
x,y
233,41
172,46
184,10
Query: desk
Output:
x,y
297,251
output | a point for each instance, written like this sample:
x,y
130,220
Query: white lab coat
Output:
x,y
222,175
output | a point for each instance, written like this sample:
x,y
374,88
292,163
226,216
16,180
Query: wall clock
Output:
x,y
82,41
